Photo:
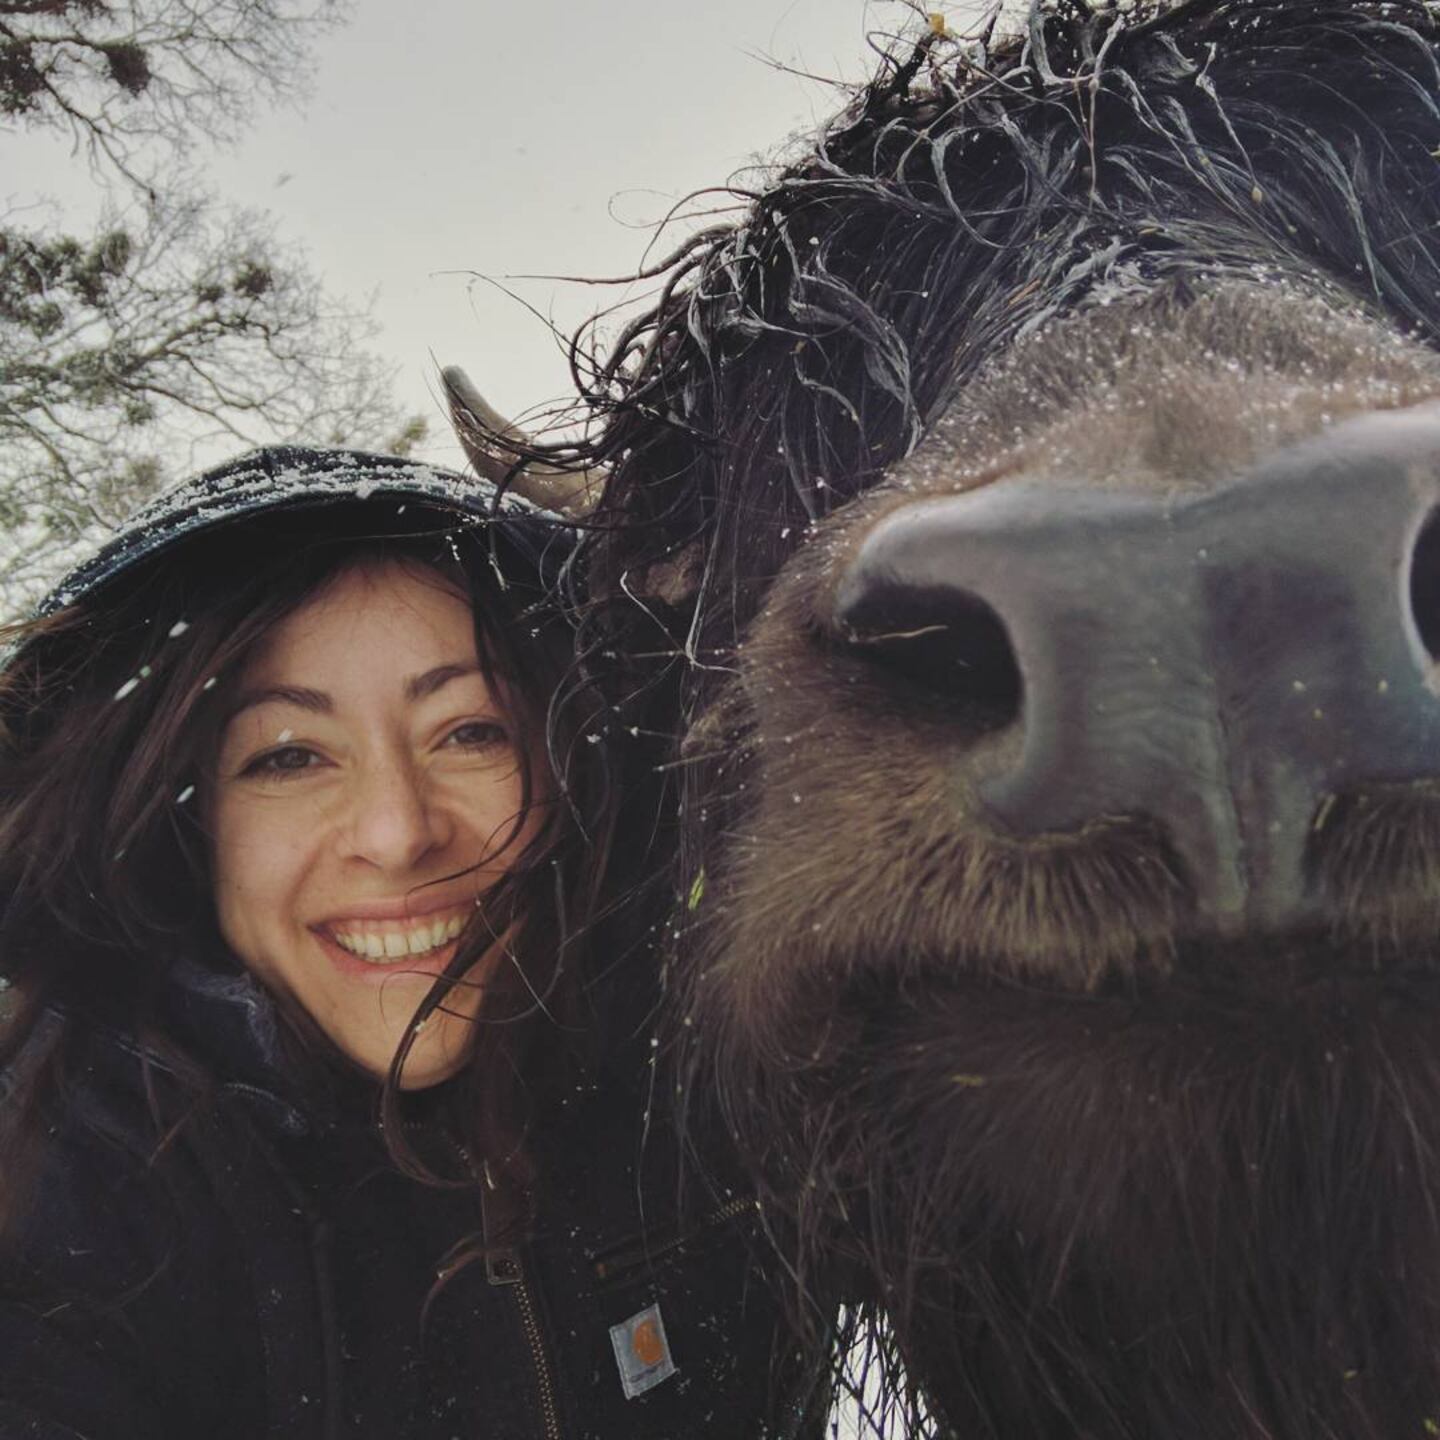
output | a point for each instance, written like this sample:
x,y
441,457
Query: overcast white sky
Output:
x,y
445,138
448,138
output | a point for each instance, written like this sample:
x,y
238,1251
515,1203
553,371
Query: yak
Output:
x,y
1025,519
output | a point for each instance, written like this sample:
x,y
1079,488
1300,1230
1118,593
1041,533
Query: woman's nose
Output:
x,y
394,819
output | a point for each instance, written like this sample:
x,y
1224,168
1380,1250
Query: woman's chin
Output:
x,y
370,1016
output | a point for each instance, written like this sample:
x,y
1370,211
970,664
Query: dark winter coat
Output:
x,y
266,1272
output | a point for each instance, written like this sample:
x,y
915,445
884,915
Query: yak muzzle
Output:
x,y
1225,664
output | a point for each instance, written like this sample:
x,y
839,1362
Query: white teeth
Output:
x,y
378,942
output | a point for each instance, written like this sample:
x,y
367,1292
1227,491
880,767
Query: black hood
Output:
x,y
536,542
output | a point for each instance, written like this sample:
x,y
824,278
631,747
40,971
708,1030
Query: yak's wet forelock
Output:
x,y
963,201
1129,1122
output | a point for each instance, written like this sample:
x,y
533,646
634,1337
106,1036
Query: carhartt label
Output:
x,y
642,1352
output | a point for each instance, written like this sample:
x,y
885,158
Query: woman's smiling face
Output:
x,y
368,792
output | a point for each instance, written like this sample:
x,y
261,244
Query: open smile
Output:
x,y
391,939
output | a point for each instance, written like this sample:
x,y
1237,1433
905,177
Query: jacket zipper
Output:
x,y
503,1267
608,1265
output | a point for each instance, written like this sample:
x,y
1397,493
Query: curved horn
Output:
x,y
483,433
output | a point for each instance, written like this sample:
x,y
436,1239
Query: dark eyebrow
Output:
x,y
420,687
417,687
316,701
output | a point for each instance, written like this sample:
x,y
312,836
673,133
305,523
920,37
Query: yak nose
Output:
x,y
1221,663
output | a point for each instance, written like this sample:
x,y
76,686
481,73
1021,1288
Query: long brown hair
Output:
x,y
110,711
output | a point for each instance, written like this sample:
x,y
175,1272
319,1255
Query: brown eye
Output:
x,y
282,761
478,735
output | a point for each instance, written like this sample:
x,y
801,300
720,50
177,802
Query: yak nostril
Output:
x,y
948,644
1425,584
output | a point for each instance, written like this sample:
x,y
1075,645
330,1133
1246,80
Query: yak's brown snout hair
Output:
x,y
1065,766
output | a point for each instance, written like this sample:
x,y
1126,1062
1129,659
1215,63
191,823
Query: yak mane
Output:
x,y
969,194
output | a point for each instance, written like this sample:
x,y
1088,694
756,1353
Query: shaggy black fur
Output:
x,y
967,198
1106,1177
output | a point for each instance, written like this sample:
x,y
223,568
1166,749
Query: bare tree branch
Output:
x,y
153,78
176,326
125,355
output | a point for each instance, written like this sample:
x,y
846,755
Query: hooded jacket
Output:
x,y
264,1269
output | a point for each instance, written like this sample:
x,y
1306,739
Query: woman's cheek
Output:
x,y
260,870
